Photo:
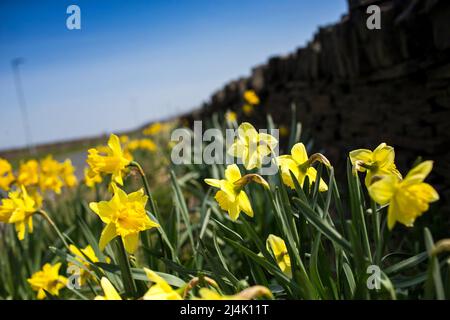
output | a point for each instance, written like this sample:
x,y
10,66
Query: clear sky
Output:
x,y
136,61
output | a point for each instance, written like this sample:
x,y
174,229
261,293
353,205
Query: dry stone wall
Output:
x,y
356,87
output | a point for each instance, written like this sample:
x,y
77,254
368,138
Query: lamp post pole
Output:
x,y
22,103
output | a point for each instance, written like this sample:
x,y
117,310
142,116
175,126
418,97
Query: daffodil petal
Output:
x,y
247,132
269,140
383,190
244,204
363,155
418,173
232,173
109,290
299,153
384,155
131,242
108,233
213,182
114,143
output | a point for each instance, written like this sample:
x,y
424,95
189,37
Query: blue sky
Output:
x,y
136,61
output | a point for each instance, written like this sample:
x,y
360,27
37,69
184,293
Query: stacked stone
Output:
x,y
356,87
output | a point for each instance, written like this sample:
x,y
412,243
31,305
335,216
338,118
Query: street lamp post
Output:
x,y
22,103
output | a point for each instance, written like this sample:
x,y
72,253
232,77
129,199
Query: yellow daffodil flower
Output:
x,y
277,246
377,162
68,174
147,144
251,97
231,116
247,109
112,162
6,175
36,196
160,290
231,197
300,165
91,178
143,144
251,146
80,256
407,198
153,129
124,139
47,279
110,293
50,175
125,216
18,208
284,131
28,173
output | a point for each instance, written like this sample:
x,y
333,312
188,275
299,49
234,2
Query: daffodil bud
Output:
x,y
441,246
254,292
318,157
242,182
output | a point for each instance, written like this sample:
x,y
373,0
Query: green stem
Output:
x,y
152,201
376,229
125,269
146,185
53,225
385,235
355,194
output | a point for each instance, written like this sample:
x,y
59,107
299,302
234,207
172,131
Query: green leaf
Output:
x,y
434,270
322,225
407,263
181,203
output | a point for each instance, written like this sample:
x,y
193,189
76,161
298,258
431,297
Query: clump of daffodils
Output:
x,y
141,144
45,175
278,228
54,175
408,198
